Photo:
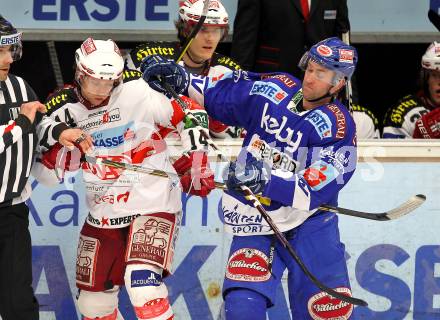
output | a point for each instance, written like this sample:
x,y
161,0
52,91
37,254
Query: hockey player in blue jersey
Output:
x,y
299,152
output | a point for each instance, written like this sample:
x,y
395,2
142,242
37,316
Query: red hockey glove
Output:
x,y
62,158
428,126
196,176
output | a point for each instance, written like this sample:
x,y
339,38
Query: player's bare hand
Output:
x,y
70,137
29,109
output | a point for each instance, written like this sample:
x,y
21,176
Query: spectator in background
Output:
x,y
273,35
200,58
418,115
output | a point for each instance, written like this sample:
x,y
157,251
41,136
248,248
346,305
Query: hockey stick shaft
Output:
x,y
410,205
194,31
348,87
282,239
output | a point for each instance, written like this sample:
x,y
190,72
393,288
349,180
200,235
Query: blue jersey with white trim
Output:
x,y
312,153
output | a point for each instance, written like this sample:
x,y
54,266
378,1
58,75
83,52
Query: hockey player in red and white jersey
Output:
x,y
418,115
131,229
201,57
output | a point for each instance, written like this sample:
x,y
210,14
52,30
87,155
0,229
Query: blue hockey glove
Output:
x,y
254,174
154,68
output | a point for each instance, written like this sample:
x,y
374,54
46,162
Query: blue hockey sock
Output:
x,y
244,304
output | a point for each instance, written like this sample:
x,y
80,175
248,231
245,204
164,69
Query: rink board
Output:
x,y
395,266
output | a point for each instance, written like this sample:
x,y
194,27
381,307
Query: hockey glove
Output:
x,y
155,68
428,126
197,177
59,157
254,174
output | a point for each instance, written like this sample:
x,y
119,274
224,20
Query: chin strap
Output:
x,y
327,95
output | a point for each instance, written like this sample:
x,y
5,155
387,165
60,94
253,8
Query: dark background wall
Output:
x,y
385,72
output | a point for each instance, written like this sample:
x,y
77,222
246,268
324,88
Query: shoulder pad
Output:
x,y
129,75
168,50
396,115
367,111
59,98
219,59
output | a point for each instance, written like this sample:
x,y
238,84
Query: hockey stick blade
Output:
x,y
434,18
410,205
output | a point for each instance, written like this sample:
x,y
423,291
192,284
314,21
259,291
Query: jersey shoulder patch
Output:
x,y
221,60
395,116
168,50
59,98
129,75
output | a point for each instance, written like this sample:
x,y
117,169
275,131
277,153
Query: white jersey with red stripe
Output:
x,y
130,129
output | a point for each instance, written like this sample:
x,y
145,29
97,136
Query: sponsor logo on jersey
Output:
x,y
112,198
87,252
321,306
268,90
97,119
337,158
7,40
105,221
320,174
167,52
145,278
341,124
280,131
398,113
55,100
150,238
321,122
288,81
279,160
324,50
113,137
248,264
228,62
346,55
242,223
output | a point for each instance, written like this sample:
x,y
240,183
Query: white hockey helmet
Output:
x,y
431,58
99,59
191,10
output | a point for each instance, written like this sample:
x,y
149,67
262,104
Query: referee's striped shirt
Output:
x,y
18,140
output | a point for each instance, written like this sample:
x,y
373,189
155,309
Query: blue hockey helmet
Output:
x,y
333,54
9,36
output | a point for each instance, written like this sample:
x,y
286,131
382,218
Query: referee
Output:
x,y
20,113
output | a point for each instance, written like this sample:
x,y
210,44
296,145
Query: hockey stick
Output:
x,y
434,18
257,204
348,88
282,239
194,31
410,205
